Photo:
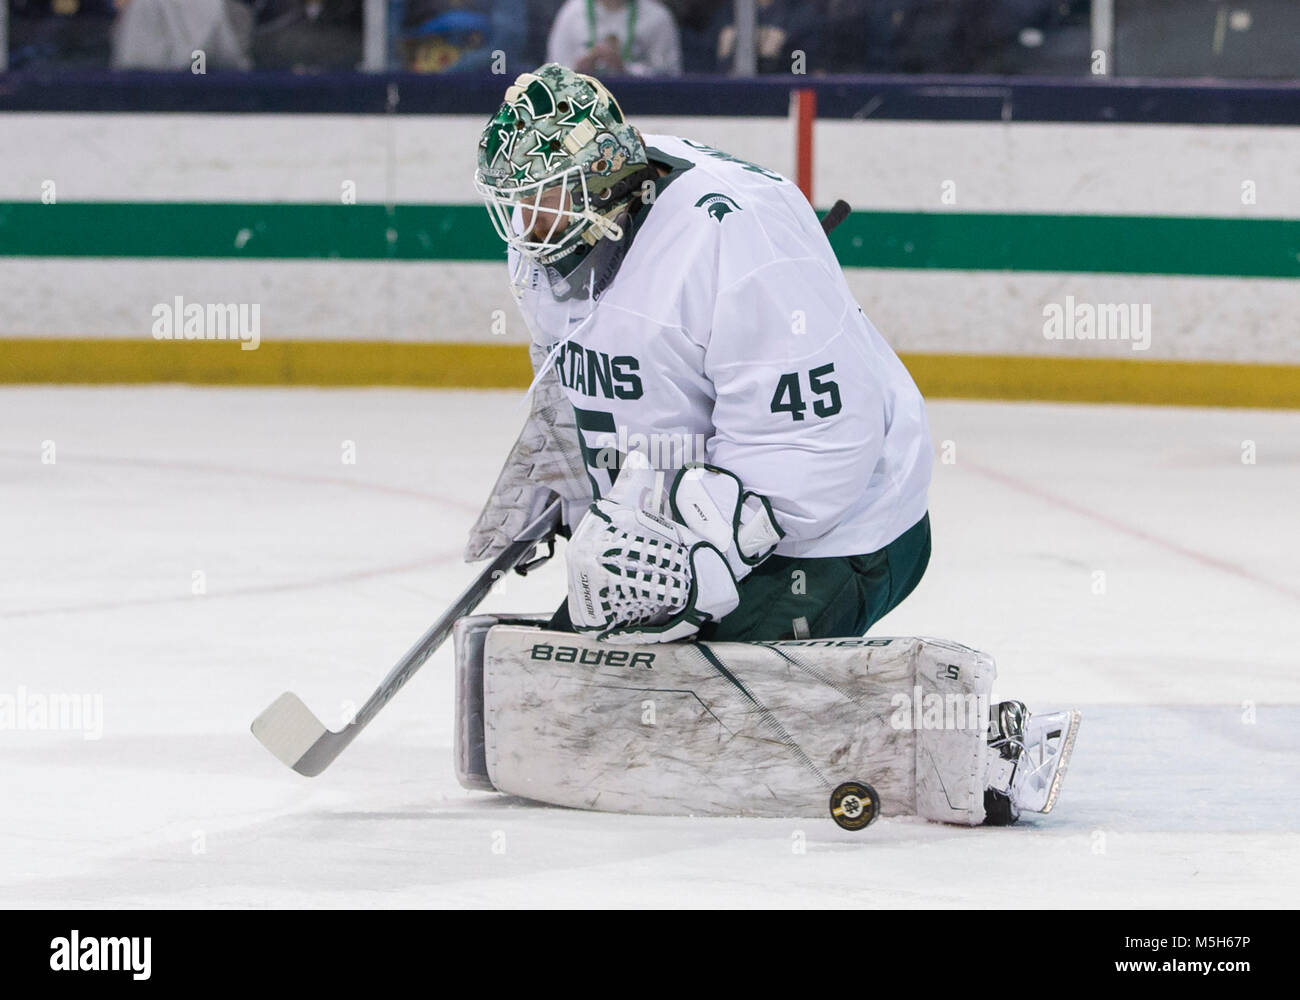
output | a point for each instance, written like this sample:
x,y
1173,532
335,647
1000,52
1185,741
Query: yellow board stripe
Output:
x,y
286,362
1105,380
503,366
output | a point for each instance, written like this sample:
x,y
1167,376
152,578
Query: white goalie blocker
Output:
x,y
726,729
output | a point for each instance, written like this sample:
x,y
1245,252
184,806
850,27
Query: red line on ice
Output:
x,y
1134,532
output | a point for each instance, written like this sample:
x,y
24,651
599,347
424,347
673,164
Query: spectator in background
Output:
x,y
610,37
165,34
541,15
462,36
62,33
785,27
1042,36
699,22
861,35
308,36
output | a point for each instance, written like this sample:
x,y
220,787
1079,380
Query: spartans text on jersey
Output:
x,y
594,373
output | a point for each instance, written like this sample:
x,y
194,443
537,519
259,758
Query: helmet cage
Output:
x,y
568,225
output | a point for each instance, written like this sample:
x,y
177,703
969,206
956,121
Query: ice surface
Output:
x,y
319,574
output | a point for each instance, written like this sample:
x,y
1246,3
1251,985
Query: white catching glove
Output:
x,y
636,575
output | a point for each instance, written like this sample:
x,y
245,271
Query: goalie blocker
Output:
x,y
742,729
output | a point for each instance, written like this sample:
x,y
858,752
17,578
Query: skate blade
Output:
x,y
1049,743
1074,717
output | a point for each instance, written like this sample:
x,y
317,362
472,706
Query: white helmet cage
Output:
x,y
514,212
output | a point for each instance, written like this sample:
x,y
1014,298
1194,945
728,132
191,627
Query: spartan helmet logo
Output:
x,y
718,205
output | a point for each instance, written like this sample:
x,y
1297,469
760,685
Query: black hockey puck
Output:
x,y
854,805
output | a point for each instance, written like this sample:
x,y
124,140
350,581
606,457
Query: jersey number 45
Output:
x,y
788,397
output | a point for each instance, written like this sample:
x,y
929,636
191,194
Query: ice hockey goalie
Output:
x,y
744,464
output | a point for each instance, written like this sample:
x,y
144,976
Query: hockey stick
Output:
x,y
289,729
838,213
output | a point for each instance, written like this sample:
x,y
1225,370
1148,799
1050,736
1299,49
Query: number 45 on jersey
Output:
x,y
789,395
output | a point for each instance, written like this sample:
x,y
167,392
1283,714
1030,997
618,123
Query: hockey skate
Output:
x,y
1029,755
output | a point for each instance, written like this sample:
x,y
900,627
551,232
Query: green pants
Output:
x,y
785,598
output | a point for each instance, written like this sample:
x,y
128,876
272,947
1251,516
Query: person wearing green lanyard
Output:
x,y
611,37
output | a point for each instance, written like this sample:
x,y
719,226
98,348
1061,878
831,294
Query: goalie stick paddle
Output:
x,y
838,213
289,729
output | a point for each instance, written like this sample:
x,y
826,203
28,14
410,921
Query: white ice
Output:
x,y
1124,560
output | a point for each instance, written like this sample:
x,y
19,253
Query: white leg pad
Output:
x,y
735,729
468,637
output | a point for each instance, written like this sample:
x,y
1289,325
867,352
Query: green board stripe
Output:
x,y
1120,244
248,231
1255,248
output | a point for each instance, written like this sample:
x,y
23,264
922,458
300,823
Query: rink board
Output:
x,y
359,230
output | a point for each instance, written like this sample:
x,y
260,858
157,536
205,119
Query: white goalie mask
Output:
x,y
558,168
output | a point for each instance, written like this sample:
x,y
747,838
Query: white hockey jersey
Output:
x,y
729,335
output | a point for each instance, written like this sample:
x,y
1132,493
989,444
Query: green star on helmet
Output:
x,y
579,112
548,149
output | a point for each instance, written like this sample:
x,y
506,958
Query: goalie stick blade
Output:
x,y
289,730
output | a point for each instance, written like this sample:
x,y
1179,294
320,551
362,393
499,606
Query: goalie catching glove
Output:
x,y
545,459
647,568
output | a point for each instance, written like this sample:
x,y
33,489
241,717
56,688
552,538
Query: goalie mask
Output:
x,y
557,169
